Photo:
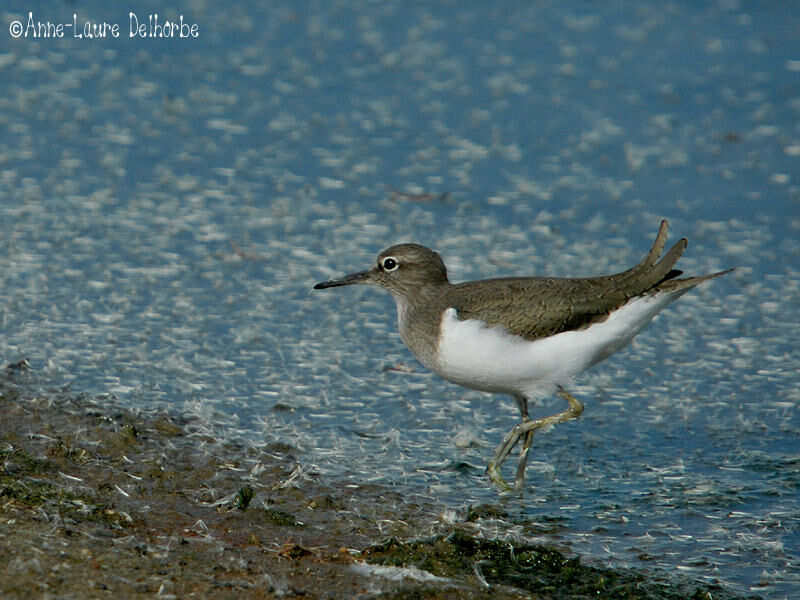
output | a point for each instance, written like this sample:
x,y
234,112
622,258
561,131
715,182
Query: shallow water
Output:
x,y
168,204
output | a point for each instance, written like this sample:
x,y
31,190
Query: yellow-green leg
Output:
x,y
526,428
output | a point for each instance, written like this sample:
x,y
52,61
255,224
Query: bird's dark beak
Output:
x,y
353,278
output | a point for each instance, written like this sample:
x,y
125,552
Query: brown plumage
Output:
x,y
544,306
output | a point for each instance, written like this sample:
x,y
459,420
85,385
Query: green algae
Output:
x,y
541,570
243,497
98,501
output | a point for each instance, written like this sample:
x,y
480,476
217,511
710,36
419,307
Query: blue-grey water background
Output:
x,y
166,206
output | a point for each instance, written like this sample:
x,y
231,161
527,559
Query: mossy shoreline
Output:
x,y
98,501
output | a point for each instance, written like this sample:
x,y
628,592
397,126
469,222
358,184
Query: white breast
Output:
x,y
492,360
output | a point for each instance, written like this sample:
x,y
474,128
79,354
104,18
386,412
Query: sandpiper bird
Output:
x,y
522,336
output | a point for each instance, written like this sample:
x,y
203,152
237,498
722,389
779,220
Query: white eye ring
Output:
x,y
389,264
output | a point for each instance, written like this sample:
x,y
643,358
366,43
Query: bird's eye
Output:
x,y
389,264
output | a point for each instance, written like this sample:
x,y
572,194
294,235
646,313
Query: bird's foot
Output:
x,y
494,474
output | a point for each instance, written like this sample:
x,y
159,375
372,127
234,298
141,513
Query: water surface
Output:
x,y
167,204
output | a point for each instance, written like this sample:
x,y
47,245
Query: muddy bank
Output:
x,y
97,501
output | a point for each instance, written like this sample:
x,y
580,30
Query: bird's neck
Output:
x,y
418,320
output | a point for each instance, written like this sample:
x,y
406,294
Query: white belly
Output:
x,y
492,360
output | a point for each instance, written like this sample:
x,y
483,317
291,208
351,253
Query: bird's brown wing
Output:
x,y
536,307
